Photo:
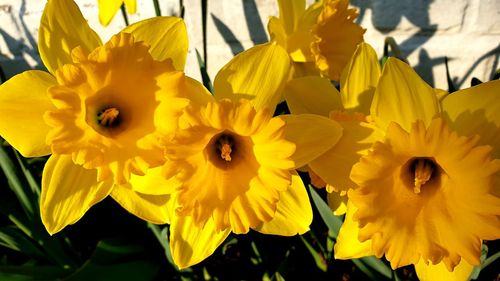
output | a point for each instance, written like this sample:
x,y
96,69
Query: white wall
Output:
x,y
464,30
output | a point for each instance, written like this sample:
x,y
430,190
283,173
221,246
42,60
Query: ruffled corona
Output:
x,y
336,36
320,39
106,103
233,162
426,194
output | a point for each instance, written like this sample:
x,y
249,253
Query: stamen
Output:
x,y
225,147
108,117
423,169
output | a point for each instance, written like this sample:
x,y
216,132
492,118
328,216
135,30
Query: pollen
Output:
x,y
423,170
225,146
109,117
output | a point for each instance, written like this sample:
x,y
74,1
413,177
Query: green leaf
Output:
x,y
332,222
35,187
318,257
24,195
14,239
484,262
204,74
118,260
374,266
161,235
28,272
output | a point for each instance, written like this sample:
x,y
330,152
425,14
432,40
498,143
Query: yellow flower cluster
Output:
x,y
415,169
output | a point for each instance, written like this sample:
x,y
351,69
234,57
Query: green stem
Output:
x,y
181,8
204,26
124,14
157,8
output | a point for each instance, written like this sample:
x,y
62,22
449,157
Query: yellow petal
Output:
x,y
152,208
334,166
154,183
191,244
475,111
337,201
63,28
290,13
359,79
439,271
313,135
166,36
197,92
258,74
23,101
299,46
293,214
403,97
68,191
131,6
299,42
277,31
348,246
108,9
315,95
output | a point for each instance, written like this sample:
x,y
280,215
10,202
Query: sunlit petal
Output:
x,y
68,191
258,74
152,208
439,271
403,97
315,95
294,214
348,245
23,101
190,244
60,32
158,33
476,111
313,135
359,79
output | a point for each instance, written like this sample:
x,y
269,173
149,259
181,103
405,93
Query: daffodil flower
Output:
x,y
96,111
350,108
108,9
424,191
233,165
320,39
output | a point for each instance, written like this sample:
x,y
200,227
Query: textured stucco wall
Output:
x,y
467,31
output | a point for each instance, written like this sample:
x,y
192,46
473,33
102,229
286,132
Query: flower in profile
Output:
x,y
351,109
425,192
108,9
234,163
320,39
96,112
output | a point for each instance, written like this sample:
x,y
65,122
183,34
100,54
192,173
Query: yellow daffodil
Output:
x,y
350,108
96,111
423,192
233,165
108,9
320,39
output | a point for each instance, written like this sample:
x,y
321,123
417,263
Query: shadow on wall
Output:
x,y
387,15
254,23
22,49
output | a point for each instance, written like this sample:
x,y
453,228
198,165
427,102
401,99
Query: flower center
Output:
x,y
109,117
423,170
225,147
